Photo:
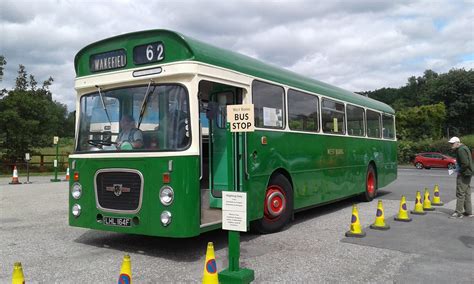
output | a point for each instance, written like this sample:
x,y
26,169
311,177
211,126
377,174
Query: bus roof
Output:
x,y
181,48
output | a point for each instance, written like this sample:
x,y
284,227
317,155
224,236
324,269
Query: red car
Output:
x,y
434,160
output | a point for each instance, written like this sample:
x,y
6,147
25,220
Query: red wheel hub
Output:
x,y
371,183
275,202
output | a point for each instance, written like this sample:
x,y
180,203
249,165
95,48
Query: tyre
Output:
x,y
370,184
418,165
278,206
451,166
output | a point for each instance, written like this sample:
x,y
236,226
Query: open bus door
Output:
x,y
218,143
215,168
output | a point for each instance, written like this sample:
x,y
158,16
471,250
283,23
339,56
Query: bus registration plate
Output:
x,y
117,221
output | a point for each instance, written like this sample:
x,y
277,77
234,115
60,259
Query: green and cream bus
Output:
x,y
313,143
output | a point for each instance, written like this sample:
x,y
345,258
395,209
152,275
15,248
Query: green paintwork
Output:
x,y
219,174
321,168
318,174
184,209
181,48
234,273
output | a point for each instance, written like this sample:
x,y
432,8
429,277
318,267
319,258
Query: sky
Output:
x,y
359,45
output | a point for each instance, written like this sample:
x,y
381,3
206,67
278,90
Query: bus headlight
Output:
x,y
165,218
166,195
76,191
76,210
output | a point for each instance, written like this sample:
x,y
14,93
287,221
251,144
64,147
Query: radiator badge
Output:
x,y
117,189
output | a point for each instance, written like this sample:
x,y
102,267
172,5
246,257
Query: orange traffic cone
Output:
x,y
403,212
126,271
379,223
436,197
67,174
427,201
17,276
418,206
210,266
356,228
15,176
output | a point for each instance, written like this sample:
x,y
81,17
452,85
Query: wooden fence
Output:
x,y
41,162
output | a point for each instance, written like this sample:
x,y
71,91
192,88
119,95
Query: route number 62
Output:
x,y
154,52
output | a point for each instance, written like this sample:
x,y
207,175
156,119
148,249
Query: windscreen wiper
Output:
x,y
145,101
103,105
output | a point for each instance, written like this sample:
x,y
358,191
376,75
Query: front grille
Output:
x,y
118,190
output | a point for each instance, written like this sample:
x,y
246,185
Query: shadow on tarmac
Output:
x,y
176,249
192,249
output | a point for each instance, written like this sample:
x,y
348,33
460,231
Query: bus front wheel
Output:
x,y
278,206
370,184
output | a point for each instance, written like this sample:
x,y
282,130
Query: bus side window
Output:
x,y
373,124
333,116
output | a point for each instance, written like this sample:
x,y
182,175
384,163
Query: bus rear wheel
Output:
x,y
370,184
278,206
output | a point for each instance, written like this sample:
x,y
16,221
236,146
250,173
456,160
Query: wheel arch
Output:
x,y
283,172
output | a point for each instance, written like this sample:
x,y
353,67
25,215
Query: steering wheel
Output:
x,y
100,143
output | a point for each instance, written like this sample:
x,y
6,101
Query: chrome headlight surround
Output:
x,y
76,190
165,218
76,210
166,195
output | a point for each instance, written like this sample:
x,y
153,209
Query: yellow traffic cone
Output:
x,y
17,277
418,206
436,197
210,266
379,223
126,271
355,229
403,212
427,201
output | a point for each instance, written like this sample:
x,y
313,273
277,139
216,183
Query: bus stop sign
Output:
x,y
240,118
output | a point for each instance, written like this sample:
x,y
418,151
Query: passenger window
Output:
x,y
388,126
355,120
303,111
373,124
268,105
333,117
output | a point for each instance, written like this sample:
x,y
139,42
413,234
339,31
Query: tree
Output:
x,y
70,124
29,118
418,123
454,89
3,62
21,82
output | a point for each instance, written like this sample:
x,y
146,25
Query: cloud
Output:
x,y
358,45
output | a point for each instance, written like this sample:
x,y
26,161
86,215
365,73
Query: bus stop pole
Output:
x,y
27,159
56,141
235,274
234,250
234,236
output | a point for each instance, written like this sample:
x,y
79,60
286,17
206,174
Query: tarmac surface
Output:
x,y
313,249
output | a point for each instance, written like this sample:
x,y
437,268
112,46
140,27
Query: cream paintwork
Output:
x,y
188,74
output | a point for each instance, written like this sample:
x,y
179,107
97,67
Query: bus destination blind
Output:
x,y
108,60
147,53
